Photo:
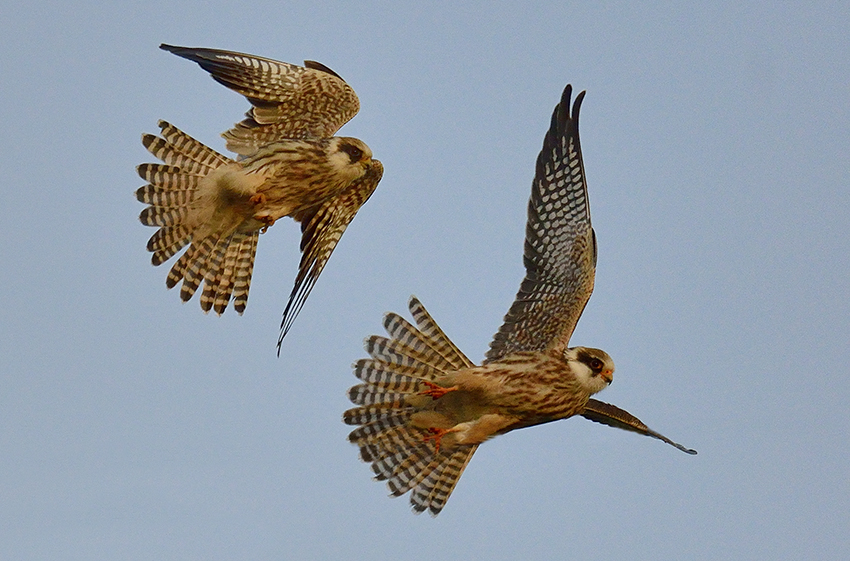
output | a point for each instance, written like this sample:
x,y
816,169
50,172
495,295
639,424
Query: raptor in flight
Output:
x,y
424,408
289,164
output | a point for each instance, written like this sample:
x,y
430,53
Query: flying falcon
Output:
x,y
289,164
423,407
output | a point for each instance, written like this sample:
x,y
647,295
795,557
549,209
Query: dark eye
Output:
x,y
596,365
353,152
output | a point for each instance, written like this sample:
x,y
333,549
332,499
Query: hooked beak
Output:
x,y
608,376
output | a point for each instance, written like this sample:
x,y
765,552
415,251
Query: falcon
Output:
x,y
289,163
423,407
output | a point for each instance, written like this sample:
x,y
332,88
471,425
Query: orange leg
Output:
x,y
437,435
435,391
258,199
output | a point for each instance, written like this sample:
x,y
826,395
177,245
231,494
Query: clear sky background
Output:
x,y
717,152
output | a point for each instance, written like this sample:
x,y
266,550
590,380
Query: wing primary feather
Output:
x,y
611,415
559,249
321,231
320,67
288,101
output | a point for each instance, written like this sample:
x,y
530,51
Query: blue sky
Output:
x,y
716,146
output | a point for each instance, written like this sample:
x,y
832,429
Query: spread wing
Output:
x,y
612,416
560,246
288,101
322,227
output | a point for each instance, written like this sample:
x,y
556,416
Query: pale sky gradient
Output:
x,y
717,152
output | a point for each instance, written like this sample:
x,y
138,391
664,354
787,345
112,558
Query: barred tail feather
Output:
x,y
244,268
224,280
439,356
223,265
166,237
196,267
191,148
160,256
434,491
440,342
398,378
401,453
163,216
214,274
405,470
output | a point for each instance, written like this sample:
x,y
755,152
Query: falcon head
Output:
x,y
349,157
593,368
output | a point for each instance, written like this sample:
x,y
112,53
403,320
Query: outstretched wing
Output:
x,y
613,416
321,229
289,101
560,246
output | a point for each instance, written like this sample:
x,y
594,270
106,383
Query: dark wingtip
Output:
x,y
198,55
172,48
676,445
281,335
290,313
577,107
563,115
562,118
566,96
313,65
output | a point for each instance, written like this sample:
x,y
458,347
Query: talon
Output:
x,y
437,435
435,391
258,199
267,221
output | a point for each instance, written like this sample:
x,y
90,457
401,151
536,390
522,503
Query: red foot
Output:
x,y
435,391
258,199
267,221
437,435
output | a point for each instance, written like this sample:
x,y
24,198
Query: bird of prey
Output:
x,y
289,164
424,408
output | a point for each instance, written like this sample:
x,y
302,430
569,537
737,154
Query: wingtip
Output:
x,y
566,111
284,329
195,54
188,53
577,106
676,445
566,95
285,325
314,65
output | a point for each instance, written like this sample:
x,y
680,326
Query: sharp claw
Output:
x,y
437,435
435,391
267,221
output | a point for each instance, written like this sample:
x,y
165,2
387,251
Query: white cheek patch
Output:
x,y
583,373
585,377
339,160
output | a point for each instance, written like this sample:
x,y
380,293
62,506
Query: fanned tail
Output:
x,y
394,378
223,264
